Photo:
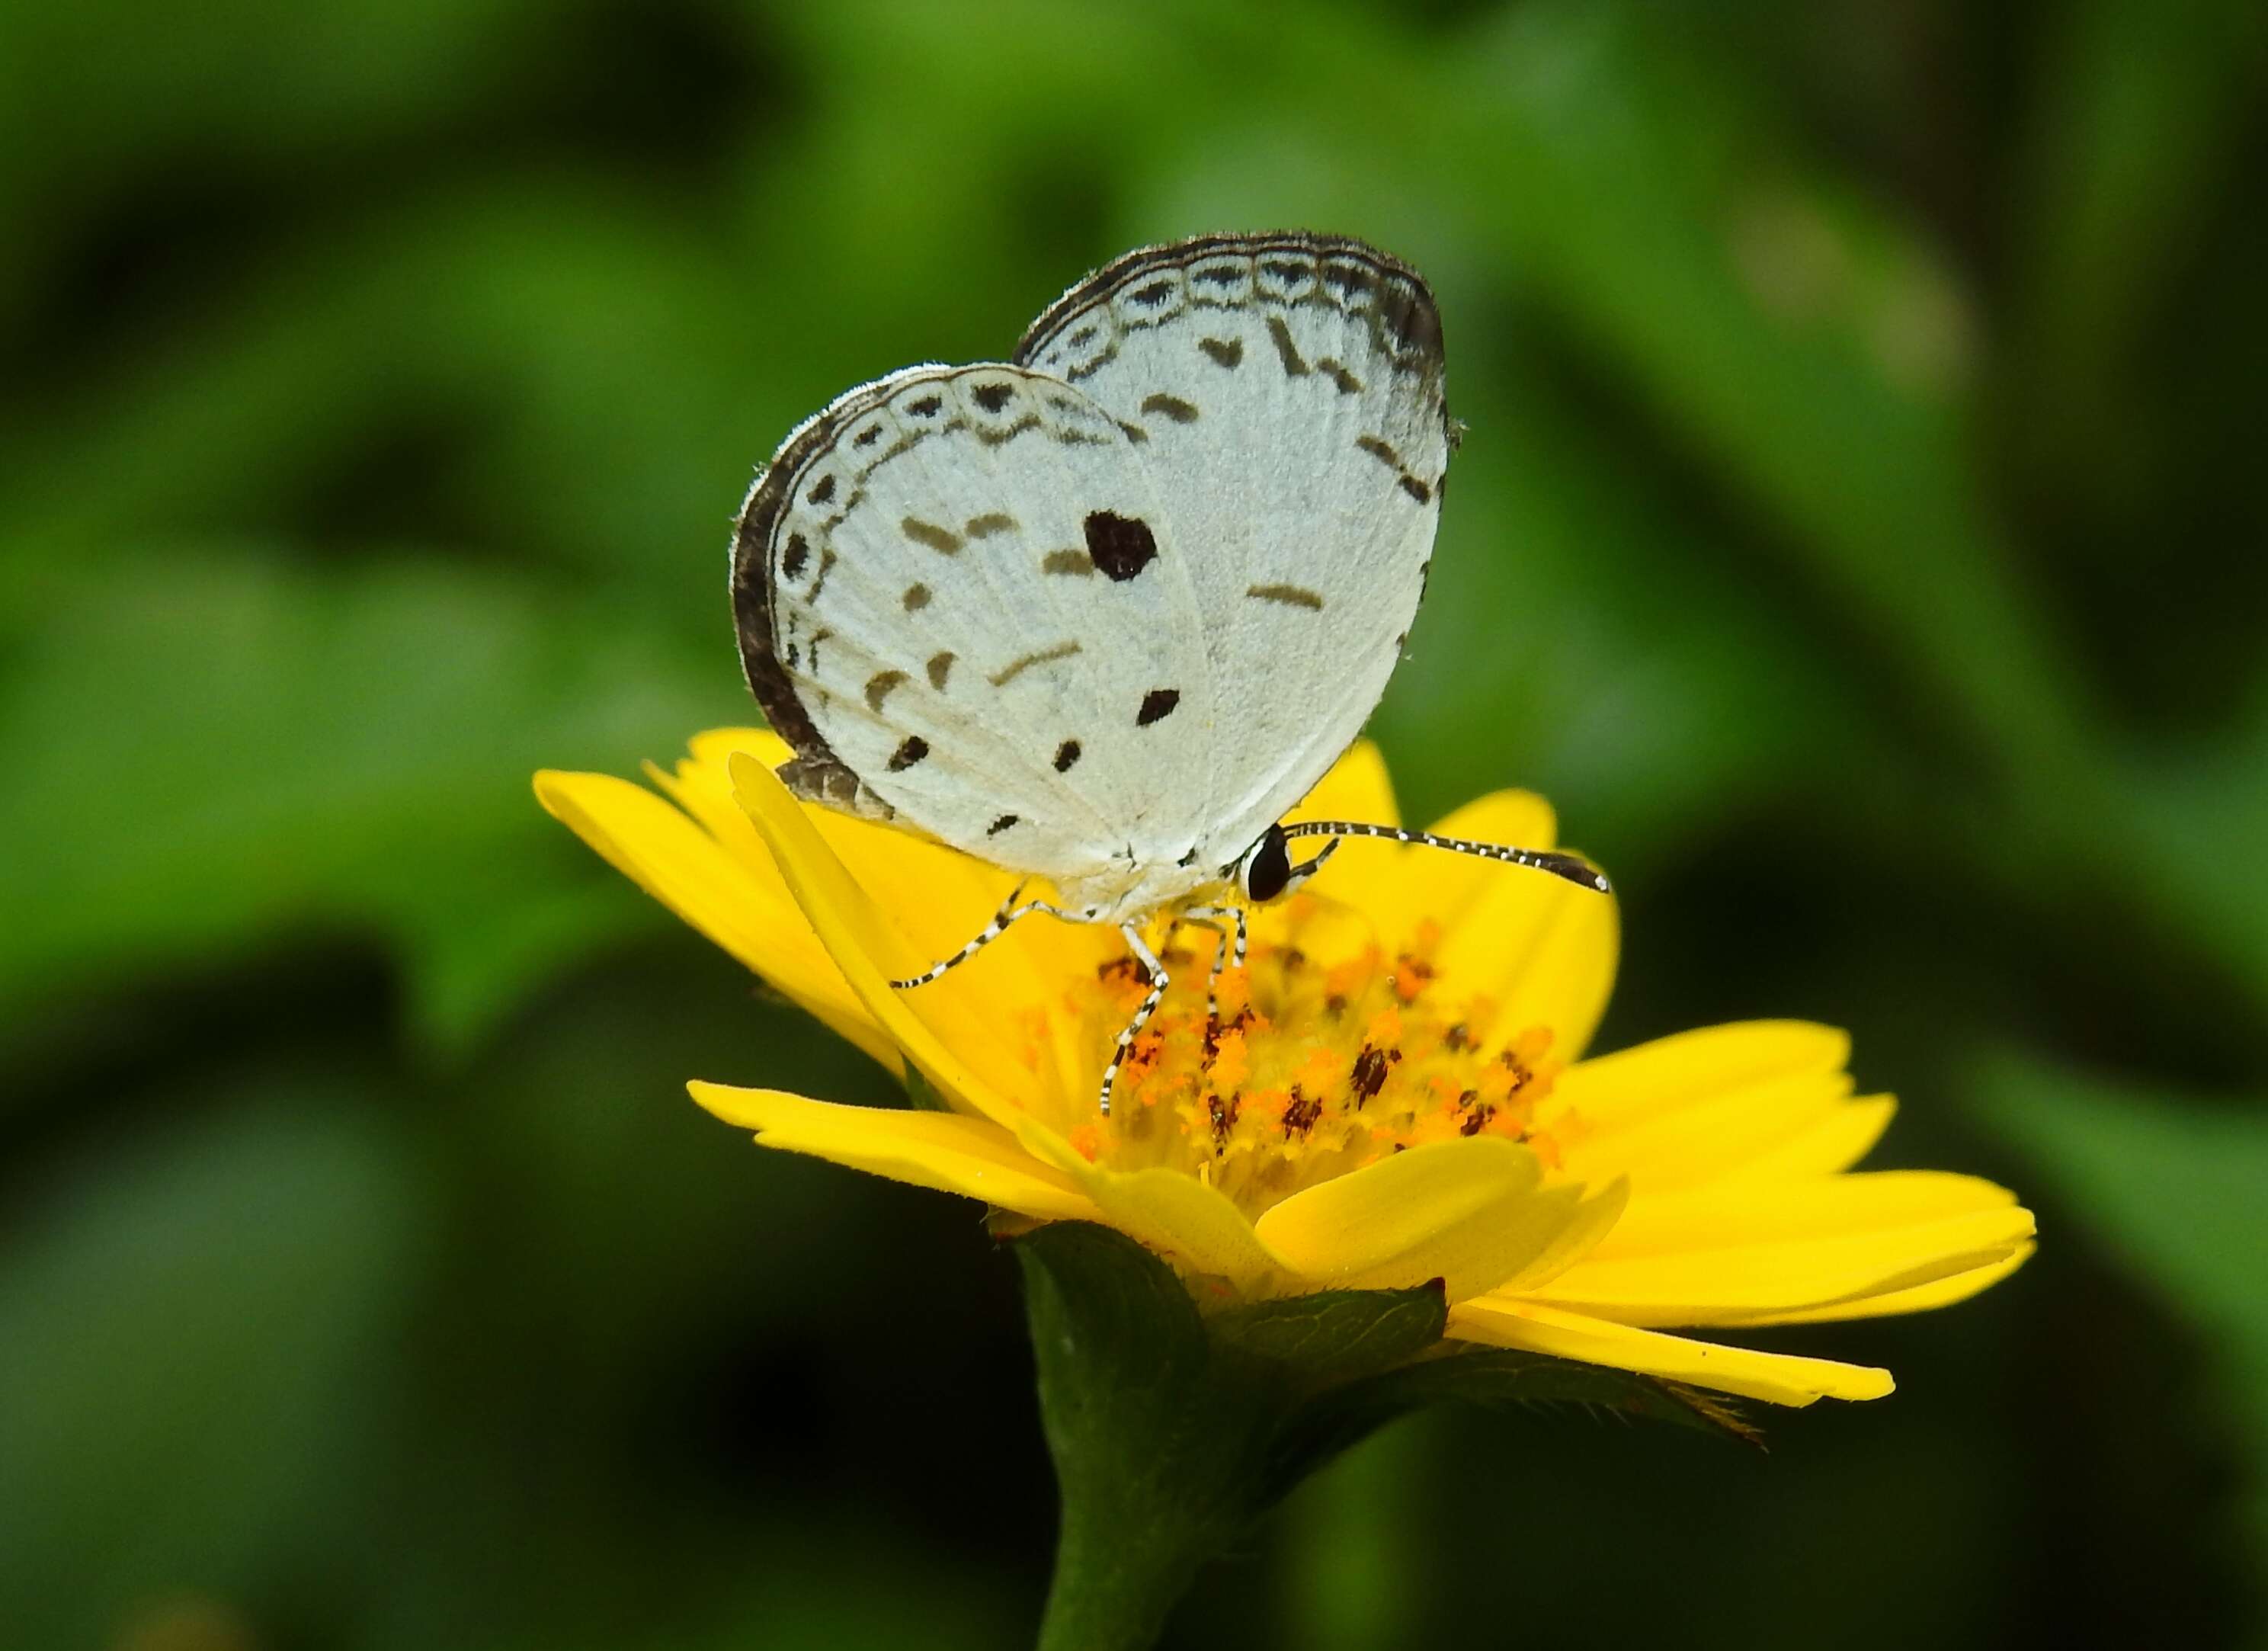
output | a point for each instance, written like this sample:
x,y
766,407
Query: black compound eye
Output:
x,y
1268,868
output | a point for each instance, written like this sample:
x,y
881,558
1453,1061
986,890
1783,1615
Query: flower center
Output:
x,y
1305,1069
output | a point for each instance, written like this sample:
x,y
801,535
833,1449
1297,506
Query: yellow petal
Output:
x,y
923,885
712,750
1633,1085
1594,1219
1721,1217
1541,948
1921,1299
1186,1222
1418,883
1834,1140
1742,1282
699,786
1402,885
1775,1378
683,866
963,1036
943,1150
1357,788
1709,1103
1470,1211
937,900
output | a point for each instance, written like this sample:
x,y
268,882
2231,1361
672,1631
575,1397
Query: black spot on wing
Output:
x,y
798,553
940,666
1066,754
1290,595
1076,563
822,490
928,532
1224,352
1121,546
1000,825
1382,450
916,599
986,526
1015,668
907,755
1287,352
1173,406
993,397
879,686
1157,704
1009,433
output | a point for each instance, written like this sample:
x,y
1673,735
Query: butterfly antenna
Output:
x,y
1573,867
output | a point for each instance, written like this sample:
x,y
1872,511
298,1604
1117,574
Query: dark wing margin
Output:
x,y
816,775
1406,310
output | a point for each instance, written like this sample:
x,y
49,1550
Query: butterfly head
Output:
x,y
1266,871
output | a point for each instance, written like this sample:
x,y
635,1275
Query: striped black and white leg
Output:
x,y
1009,912
1202,917
1158,981
1573,867
1212,917
1300,874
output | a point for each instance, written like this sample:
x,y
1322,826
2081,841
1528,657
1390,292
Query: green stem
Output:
x,y
1158,1442
1117,1580
1172,1433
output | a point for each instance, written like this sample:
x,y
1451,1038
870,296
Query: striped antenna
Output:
x,y
1573,867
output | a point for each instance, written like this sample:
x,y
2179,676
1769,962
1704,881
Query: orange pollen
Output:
x,y
1308,1069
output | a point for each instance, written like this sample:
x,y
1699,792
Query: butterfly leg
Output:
x,y
1307,869
1211,917
1009,912
1158,981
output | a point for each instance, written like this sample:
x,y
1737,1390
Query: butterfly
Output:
x,y
1103,612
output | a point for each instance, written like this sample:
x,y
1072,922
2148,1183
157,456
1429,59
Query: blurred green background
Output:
x,y
1860,538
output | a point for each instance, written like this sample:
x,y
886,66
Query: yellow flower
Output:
x,y
1394,1091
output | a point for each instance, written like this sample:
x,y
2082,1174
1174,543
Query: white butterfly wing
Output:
x,y
1106,613
1291,389
961,600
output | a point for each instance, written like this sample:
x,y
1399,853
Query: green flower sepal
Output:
x,y
1174,1430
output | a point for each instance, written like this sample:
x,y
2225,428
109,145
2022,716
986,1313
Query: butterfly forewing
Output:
x,y
961,598
1291,390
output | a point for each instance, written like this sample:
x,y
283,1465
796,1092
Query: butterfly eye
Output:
x,y
1267,870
